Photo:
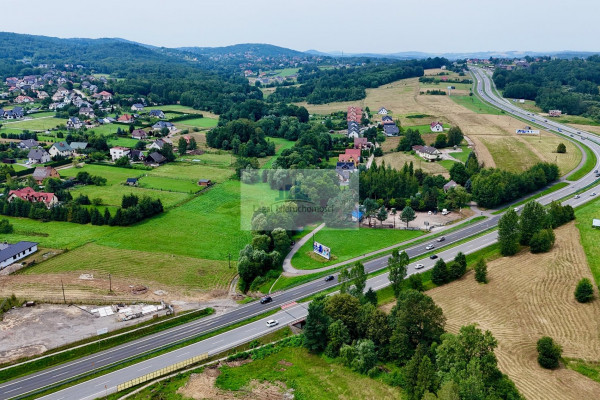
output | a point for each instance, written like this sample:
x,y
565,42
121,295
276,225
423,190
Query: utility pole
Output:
x,y
109,284
63,290
229,260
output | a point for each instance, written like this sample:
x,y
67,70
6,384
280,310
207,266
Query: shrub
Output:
x,y
561,148
481,271
6,226
542,241
416,282
548,352
439,274
584,291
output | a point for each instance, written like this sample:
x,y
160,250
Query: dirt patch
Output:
x,y
202,387
530,296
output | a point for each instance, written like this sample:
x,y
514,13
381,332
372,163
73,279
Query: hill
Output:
x,y
246,49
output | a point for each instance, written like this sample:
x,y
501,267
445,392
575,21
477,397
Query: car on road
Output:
x,y
419,266
266,299
329,278
596,171
593,194
441,239
429,213
516,209
577,196
572,135
429,247
433,256
272,322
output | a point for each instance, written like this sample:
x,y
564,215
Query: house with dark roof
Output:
x,y
450,185
28,144
164,124
137,107
87,111
155,158
132,181
31,196
78,146
136,155
74,123
156,114
61,149
204,182
343,170
41,173
38,156
391,130
158,144
386,118
11,253
15,113
382,111
139,134
427,152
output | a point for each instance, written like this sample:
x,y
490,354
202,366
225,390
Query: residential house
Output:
x,y
15,113
157,114
164,124
24,99
450,185
87,111
42,173
382,111
205,182
137,107
132,181
555,113
436,127
104,95
427,152
155,158
126,118
386,118
391,130
136,155
78,147
61,149
158,144
38,156
361,143
31,196
42,95
74,123
351,155
28,144
139,134
118,152
344,169
11,253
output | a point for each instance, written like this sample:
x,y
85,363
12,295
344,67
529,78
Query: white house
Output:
x,y
436,127
382,111
137,107
60,149
74,123
118,152
427,152
11,253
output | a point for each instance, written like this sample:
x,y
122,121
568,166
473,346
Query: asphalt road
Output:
x,y
107,383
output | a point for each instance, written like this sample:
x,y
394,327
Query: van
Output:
x,y
445,212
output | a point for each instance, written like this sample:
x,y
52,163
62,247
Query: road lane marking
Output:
x,y
8,391
181,355
100,384
150,366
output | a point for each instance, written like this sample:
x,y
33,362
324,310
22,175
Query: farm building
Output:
x,y
427,152
596,223
11,253
204,182
132,181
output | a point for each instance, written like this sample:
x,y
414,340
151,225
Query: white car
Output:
x,y
429,247
419,266
593,194
272,322
516,209
577,196
429,213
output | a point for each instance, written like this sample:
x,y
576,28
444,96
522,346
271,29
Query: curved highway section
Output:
x,y
107,384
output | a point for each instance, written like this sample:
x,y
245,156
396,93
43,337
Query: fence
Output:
x,y
161,372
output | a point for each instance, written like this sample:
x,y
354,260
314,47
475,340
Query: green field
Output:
x,y
347,244
286,72
113,175
447,164
36,124
50,139
112,195
108,129
280,145
167,269
198,123
311,377
462,156
588,368
123,141
171,184
475,104
177,107
589,236
425,129
221,159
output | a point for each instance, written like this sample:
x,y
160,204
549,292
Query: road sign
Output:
x,y
528,132
321,250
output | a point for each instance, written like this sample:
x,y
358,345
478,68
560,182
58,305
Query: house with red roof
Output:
x,y
105,95
31,196
126,118
436,126
351,155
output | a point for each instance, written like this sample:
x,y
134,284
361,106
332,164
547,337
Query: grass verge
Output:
x,y
549,190
587,368
587,167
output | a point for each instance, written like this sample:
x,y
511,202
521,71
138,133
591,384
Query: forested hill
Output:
x,y
567,85
246,49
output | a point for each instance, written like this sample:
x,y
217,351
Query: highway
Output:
x,y
107,384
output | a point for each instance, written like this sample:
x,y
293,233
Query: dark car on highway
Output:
x,y
329,278
266,299
433,256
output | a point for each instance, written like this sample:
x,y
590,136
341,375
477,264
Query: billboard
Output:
x,y
528,132
321,250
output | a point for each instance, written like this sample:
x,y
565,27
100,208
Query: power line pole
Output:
x,y
63,290
109,284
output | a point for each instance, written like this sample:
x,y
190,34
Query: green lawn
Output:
x,y
347,244
123,141
286,72
590,236
36,124
475,104
221,159
199,123
587,368
42,114
587,167
113,175
208,226
177,107
447,164
280,145
192,171
424,129
463,155
112,195
108,129
311,376
182,185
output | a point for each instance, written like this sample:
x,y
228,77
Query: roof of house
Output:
x,y
138,105
139,132
78,145
203,180
28,143
162,124
346,158
136,153
62,146
360,140
125,117
450,185
156,112
386,118
156,157
29,194
10,250
42,173
426,150
354,153
37,154
344,165
119,148
391,129
132,180
435,123
160,143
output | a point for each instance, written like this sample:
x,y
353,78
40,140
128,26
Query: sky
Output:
x,y
351,26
